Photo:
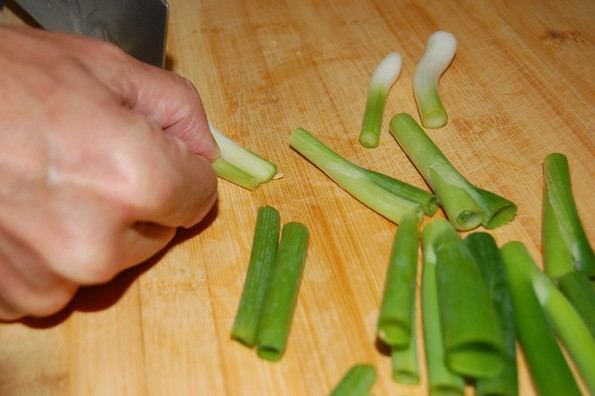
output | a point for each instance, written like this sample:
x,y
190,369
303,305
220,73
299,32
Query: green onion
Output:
x,y
550,372
383,78
487,257
282,292
262,257
405,367
441,380
472,337
387,196
466,206
398,302
576,287
565,243
440,51
239,165
357,382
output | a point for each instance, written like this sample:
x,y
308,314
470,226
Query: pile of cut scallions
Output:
x,y
477,300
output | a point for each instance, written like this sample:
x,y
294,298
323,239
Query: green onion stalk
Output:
x,y
356,382
472,335
439,53
239,165
383,79
489,262
578,289
405,366
466,205
549,370
565,244
387,196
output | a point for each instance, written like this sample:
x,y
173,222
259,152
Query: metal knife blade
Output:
x,y
139,27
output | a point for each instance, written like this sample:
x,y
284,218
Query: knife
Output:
x,y
139,27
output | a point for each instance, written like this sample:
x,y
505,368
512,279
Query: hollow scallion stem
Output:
x,y
405,366
576,287
356,382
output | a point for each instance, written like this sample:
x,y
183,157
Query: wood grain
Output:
x,y
521,86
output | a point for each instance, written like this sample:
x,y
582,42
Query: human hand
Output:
x,y
103,157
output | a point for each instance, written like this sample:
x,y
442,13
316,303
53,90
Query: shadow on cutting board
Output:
x,y
100,297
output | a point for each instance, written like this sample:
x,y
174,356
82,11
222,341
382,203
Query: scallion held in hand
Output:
x,y
262,258
357,381
440,51
282,291
383,78
240,165
549,370
390,197
466,206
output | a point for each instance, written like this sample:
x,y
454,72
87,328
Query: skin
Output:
x,y
103,157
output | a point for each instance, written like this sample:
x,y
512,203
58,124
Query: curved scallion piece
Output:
x,y
391,198
282,291
356,382
489,262
240,165
549,370
383,78
440,51
466,205
565,244
260,267
395,327
441,380
472,336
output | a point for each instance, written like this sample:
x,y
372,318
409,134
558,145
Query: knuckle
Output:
x,y
93,261
51,301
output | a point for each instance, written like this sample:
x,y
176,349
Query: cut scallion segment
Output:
x,y
387,196
383,78
240,165
262,258
282,291
473,343
565,242
466,206
395,327
576,287
356,382
405,367
487,257
550,372
440,51
441,380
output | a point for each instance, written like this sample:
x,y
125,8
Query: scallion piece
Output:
x,y
240,165
405,367
281,296
487,257
473,343
262,258
387,196
395,327
466,206
550,372
356,382
383,78
576,287
565,242
440,51
441,380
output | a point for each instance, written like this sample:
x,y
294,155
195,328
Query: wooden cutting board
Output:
x,y
521,86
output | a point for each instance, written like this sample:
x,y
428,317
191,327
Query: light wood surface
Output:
x,y
521,86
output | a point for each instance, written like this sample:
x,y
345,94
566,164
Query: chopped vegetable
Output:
x,y
487,257
282,292
239,165
390,197
550,372
565,244
262,258
383,78
357,382
405,367
395,327
473,343
466,206
576,287
441,380
440,51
